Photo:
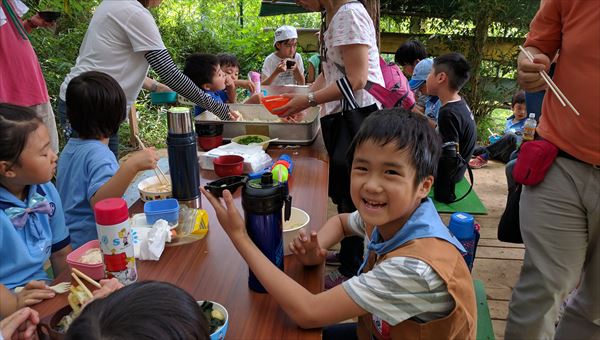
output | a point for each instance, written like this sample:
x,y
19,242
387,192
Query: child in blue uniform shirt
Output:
x,y
205,71
88,171
32,224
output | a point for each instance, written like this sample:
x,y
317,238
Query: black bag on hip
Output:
x,y
339,130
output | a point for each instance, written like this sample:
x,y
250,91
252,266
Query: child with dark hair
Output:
x,y
142,310
502,148
88,171
32,223
413,280
285,65
456,123
409,54
231,66
205,71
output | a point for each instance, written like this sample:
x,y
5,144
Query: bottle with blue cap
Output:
x,y
462,226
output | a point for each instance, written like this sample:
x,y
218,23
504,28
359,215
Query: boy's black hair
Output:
x,y
408,131
16,124
518,98
96,105
456,68
201,68
409,52
142,310
283,42
227,59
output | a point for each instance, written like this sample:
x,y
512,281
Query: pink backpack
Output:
x,y
396,92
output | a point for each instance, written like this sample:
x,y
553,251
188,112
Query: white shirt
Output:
x,y
284,78
118,37
350,25
19,6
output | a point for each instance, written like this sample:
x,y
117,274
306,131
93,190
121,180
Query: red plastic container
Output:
x,y
230,165
273,102
95,271
208,143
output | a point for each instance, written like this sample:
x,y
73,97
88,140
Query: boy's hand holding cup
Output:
x,y
307,249
282,67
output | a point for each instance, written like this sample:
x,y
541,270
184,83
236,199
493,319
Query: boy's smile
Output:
x,y
383,186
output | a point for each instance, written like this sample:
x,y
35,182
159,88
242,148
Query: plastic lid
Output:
x,y
532,115
263,195
461,225
111,211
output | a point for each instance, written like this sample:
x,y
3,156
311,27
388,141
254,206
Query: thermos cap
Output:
x,y
111,211
461,225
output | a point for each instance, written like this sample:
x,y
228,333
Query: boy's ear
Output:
x,y
441,77
5,170
425,187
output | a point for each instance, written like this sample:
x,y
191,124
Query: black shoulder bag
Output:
x,y
449,166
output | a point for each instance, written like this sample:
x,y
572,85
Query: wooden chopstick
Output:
x,y
561,97
87,278
87,291
164,177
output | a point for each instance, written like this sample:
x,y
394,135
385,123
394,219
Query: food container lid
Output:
x,y
111,211
461,225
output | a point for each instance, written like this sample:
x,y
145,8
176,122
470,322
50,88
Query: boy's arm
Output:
x,y
116,186
280,68
58,259
334,305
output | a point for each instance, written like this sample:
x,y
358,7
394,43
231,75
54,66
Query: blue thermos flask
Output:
x,y
263,199
183,157
462,225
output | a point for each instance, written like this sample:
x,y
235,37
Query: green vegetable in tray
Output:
x,y
250,139
215,318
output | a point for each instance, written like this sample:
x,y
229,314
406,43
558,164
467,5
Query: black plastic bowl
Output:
x,y
49,15
208,130
231,183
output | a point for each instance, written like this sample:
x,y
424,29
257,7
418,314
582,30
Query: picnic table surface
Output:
x,y
212,269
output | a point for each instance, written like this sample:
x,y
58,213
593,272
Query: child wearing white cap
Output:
x,y
284,66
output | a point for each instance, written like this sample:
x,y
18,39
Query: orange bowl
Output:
x,y
273,102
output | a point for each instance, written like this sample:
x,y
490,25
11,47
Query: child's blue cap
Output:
x,y
420,73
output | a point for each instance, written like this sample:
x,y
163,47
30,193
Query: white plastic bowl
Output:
x,y
219,333
299,220
147,195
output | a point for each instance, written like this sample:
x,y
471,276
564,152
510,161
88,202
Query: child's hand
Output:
x,y
108,286
144,159
247,84
229,81
21,324
228,215
34,292
307,249
282,67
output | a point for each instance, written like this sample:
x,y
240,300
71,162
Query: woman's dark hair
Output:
x,y
227,59
201,68
96,105
16,124
142,310
408,131
518,98
409,52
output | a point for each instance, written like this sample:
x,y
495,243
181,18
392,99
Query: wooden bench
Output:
x,y
485,330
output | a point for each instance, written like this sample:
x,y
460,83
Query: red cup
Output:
x,y
208,143
230,165
273,102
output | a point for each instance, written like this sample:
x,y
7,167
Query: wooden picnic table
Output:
x,y
212,269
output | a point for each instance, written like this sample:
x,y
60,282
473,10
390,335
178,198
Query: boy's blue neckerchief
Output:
x,y
423,223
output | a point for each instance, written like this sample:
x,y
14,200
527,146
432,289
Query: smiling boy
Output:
x,y
414,282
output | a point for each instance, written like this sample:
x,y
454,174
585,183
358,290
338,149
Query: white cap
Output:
x,y
285,33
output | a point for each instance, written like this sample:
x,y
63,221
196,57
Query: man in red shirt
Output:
x,y
560,217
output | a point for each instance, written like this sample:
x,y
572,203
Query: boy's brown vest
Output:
x,y
444,258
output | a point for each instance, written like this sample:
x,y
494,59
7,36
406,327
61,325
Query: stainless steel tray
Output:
x,y
267,124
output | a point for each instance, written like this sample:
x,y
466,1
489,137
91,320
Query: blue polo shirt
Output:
x,y
84,166
432,107
23,251
218,96
516,128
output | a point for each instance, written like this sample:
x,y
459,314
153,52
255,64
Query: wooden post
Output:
x,y
133,126
373,8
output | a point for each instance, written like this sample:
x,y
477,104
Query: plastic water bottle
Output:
x,y
255,78
529,128
462,225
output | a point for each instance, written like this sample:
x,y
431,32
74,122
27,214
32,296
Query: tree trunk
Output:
x,y
475,56
373,8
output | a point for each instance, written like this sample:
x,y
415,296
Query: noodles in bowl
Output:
x,y
153,189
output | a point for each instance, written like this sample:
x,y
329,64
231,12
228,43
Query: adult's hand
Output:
x,y
528,74
20,325
293,109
